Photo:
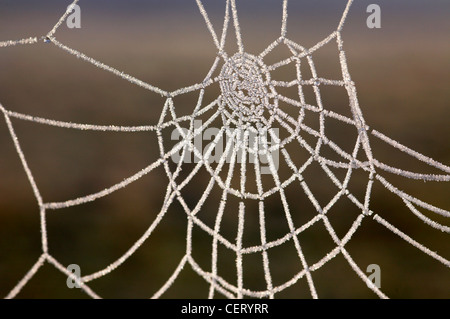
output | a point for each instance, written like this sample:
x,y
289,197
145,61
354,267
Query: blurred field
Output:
x,y
402,76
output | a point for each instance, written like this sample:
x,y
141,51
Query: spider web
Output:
x,y
250,103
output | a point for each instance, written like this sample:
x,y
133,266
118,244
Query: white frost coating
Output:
x,y
243,73
17,42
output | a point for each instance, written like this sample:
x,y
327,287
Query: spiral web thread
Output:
x,y
237,115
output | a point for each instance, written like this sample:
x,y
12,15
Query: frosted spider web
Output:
x,y
249,102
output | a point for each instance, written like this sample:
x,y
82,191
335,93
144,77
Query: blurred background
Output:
x,y
402,77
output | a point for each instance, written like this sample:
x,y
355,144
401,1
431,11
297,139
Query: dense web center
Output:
x,y
246,89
